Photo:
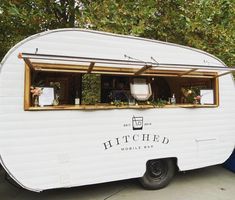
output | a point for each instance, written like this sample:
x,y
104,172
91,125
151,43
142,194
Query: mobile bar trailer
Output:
x,y
156,107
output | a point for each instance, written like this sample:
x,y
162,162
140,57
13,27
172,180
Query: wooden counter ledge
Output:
x,y
108,106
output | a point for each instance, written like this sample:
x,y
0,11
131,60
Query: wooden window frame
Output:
x,y
27,85
103,106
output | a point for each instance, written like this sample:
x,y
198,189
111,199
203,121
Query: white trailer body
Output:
x,y
49,149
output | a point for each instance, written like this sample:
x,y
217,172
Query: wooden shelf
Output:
x,y
108,106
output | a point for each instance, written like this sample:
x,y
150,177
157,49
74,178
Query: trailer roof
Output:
x,y
101,48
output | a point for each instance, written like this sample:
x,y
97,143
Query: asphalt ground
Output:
x,y
211,183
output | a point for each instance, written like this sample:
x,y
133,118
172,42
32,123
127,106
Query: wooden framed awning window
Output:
x,y
60,63
116,67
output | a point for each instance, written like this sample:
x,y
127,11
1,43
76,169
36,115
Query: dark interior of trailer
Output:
x,y
114,90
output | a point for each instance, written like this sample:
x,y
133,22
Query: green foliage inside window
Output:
x,y
91,88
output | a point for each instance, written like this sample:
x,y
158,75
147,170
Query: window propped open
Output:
x,y
99,83
42,62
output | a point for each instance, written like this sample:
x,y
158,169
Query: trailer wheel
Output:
x,y
158,174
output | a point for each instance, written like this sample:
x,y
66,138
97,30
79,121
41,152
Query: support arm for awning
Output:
x,y
26,60
223,74
118,66
188,72
143,69
92,64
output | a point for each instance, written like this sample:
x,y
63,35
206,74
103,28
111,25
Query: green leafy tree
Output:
x,y
22,18
205,24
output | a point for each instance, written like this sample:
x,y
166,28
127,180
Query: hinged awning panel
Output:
x,y
42,62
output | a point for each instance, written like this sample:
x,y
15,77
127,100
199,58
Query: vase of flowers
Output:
x,y
191,95
197,99
36,92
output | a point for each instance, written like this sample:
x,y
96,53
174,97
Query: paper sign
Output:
x,y
207,96
47,96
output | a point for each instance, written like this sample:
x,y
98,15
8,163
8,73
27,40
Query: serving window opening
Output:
x,y
94,91
77,87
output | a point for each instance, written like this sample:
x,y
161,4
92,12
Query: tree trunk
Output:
x,y
71,13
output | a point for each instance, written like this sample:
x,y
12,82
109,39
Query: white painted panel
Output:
x,y
91,44
19,76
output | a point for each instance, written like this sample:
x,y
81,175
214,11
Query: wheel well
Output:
x,y
175,160
159,172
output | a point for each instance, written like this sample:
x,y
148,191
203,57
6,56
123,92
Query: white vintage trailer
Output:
x,y
66,145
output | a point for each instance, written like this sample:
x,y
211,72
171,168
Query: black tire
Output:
x,y
158,173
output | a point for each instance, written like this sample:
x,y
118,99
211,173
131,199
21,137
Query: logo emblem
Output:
x,y
137,123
